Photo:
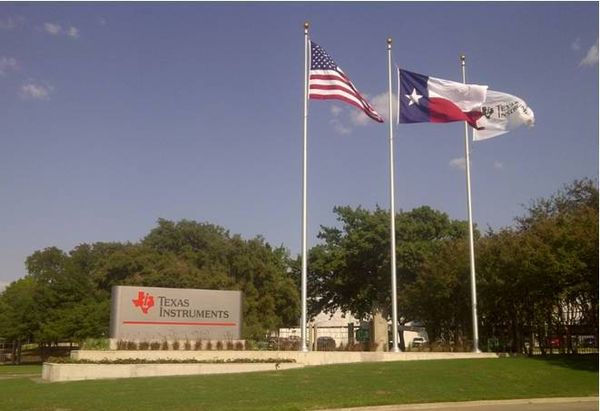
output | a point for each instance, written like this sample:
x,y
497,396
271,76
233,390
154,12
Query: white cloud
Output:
x,y
358,118
335,110
345,117
381,104
498,165
576,45
11,22
33,91
52,28
339,127
73,32
591,58
458,163
8,64
56,29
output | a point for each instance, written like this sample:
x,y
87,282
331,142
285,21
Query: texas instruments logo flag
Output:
x,y
144,301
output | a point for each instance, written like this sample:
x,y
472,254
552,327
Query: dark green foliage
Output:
x,y
66,296
351,269
535,280
539,279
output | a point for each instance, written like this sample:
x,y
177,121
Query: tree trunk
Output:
x,y
13,356
18,352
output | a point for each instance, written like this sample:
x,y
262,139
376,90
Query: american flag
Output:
x,y
328,82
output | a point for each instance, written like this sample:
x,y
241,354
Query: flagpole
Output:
x,y
303,345
470,214
392,206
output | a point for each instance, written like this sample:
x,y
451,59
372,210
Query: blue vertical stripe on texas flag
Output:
x,y
415,113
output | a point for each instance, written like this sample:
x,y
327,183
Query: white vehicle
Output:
x,y
418,341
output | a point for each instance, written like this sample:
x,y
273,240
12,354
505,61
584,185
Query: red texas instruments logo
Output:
x,y
145,301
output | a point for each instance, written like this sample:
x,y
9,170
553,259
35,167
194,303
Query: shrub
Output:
x,y
230,345
131,345
95,344
175,345
144,345
239,346
164,346
198,345
356,347
209,345
188,345
155,345
219,345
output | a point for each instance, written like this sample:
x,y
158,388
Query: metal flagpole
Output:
x,y
392,207
303,345
470,214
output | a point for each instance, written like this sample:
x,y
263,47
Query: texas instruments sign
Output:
x,y
151,313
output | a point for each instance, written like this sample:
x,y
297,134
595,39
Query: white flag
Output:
x,y
502,113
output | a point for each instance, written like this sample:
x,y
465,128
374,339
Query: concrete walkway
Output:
x,y
533,404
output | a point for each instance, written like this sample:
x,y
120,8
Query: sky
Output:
x,y
115,115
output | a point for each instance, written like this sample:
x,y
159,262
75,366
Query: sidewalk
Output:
x,y
532,404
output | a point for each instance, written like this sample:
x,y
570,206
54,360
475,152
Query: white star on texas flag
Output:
x,y
414,97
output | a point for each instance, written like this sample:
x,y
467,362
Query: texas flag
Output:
x,y
429,99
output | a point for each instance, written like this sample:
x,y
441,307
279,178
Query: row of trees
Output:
x,y
66,296
536,279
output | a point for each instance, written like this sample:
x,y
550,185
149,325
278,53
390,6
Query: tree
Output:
x,y
20,316
350,270
440,295
209,257
540,278
66,296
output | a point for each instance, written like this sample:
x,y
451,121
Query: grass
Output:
x,y
319,387
17,370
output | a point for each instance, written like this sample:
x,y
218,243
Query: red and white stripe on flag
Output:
x,y
328,82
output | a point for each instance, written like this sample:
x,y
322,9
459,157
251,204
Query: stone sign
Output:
x,y
152,313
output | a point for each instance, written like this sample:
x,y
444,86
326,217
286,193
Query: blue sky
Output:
x,y
115,115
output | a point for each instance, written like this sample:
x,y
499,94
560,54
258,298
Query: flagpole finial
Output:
x,y
389,40
463,58
306,25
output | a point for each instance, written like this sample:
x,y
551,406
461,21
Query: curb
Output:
x,y
467,404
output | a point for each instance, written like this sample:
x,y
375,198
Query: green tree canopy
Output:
x,y
66,296
350,270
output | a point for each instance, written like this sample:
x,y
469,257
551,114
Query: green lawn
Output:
x,y
17,370
318,387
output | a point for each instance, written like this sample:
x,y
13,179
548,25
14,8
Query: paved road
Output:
x,y
540,404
